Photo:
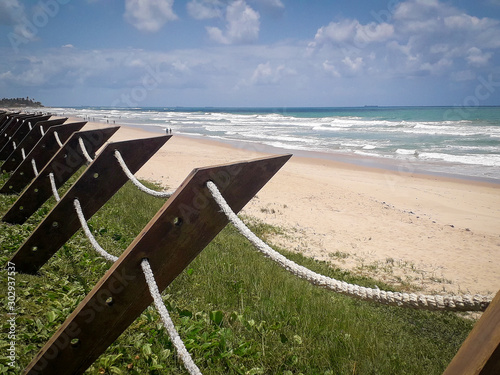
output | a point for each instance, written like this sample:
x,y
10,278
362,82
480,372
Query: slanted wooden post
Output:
x,y
21,131
64,161
16,157
12,122
14,126
100,181
3,119
480,352
180,230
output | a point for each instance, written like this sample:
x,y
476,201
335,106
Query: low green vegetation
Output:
x,y
237,312
19,102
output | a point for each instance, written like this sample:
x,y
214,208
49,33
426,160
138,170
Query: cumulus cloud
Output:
x,y
330,68
205,9
242,25
13,13
10,12
270,3
149,15
267,74
351,31
353,64
477,58
418,37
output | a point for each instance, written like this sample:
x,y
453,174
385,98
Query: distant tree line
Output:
x,y
19,102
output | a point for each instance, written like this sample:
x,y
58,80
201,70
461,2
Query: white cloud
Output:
x,y
418,9
353,64
419,37
149,15
331,69
242,25
269,7
353,32
477,58
270,3
205,9
13,13
267,74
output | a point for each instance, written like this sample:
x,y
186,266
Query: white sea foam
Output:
x,y
405,151
485,160
461,142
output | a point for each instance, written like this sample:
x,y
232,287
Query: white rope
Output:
x,y
23,153
53,186
182,353
89,235
418,301
14,145
29,125
136,182
84,151
33,164
56,136
42,131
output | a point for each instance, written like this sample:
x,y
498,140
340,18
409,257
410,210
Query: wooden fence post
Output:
x,y
10,122
187,223
48,154
21,131
16,157
10,129
480,352
100,181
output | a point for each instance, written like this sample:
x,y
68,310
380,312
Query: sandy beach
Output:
x,y
427,233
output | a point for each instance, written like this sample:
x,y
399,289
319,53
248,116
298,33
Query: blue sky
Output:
x,y
138,53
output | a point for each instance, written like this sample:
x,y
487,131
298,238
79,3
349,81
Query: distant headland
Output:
x,y
19,102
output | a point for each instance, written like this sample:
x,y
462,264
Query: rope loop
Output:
x,y
53,186
56,136
23,154
84,151
182,352
42,131
88,233
417,301
136,182
33,164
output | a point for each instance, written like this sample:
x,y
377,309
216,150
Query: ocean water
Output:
x,y
459,141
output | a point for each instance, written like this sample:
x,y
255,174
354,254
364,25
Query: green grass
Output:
x,y
237,312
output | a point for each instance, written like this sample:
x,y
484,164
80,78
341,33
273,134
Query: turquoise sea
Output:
x,y
459,141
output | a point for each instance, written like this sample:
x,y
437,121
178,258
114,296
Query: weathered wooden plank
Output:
x,y
13,161
34,136
21,132
3,119
63,165
12,128
13,120
480,352
102,179
187,223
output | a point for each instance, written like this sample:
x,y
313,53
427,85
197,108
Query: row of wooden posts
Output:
x,y
185,224
33,146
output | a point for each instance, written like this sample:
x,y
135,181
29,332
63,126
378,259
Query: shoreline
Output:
x,y
424,233
364,161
